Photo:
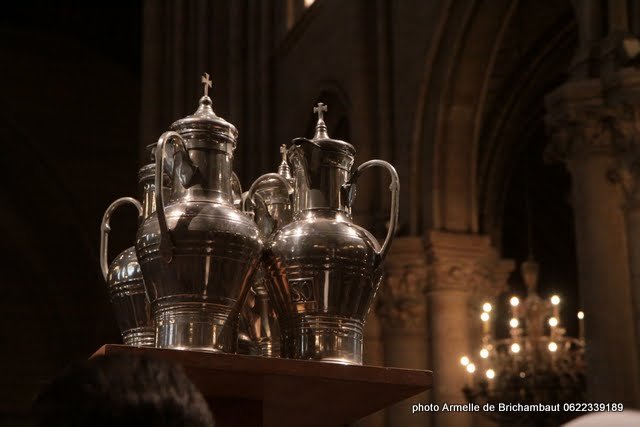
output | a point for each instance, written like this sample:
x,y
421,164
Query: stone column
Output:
x,y
623,88
401,308
632,216
461,265
582,136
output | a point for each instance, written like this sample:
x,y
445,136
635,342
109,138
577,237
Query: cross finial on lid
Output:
x,y
321,127
320,109
207,83
284,169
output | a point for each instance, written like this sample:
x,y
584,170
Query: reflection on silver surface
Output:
x,y
198,252
271,196
211,283
325,270
124,278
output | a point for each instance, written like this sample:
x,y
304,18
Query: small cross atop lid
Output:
x,y
207,83
321,127
205,122
320,109
284,169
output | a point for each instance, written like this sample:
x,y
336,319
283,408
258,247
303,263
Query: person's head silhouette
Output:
x,y
121,390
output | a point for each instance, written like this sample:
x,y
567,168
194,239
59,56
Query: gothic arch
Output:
x,y
509,131
456,98
455,79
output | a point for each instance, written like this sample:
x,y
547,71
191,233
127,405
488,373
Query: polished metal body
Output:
x,y
325,270
270,195
124,278
199,251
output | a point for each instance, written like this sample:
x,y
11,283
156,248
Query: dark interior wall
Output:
x,y
69,118
518,188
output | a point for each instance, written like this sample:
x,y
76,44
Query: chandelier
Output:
x,y
526,378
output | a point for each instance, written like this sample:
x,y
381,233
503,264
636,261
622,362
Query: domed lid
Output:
x,y
284,170
321,137
147,173
206,120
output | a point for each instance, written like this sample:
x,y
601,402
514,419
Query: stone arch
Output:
x,y
508,132
454,103
463,51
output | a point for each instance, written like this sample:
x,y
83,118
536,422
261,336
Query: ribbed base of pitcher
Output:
x,y
144,336
324,338
195,326
268,347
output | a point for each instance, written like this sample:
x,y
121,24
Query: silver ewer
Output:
x,y
124,278
198,252
325,270
270,195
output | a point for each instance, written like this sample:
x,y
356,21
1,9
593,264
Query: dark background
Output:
x,y
70,85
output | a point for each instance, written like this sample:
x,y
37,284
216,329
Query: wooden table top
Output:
x,y
289,392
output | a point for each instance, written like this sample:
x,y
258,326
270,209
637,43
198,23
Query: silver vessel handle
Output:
x,y
105,229
166,245
394,187
236,189
258,180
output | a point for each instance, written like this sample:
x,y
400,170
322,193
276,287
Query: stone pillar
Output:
x,y
461,265
582,136
623,88
632,216
401,308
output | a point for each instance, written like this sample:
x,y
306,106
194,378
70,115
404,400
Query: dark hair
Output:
x,y
119,390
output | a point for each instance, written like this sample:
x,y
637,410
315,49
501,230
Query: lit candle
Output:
x,y
485,322
515,302
513,323
555,302
581,325
471,368
553,348
553,324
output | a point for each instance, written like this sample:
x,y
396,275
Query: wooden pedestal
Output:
x,y
258,391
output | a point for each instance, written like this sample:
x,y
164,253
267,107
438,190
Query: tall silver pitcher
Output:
x,y
199,252
124,277
325,270
270,195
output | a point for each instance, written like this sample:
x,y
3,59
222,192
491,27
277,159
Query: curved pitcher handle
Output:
x,y
394,187
236,190
105,229
254,187
166,244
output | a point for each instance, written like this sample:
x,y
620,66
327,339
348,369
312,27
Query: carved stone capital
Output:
x,y
578,132
401,302
577,121
466,263
626,129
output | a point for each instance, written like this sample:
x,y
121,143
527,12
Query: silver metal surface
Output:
x,y
324,269
199,252
271,197
124,278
